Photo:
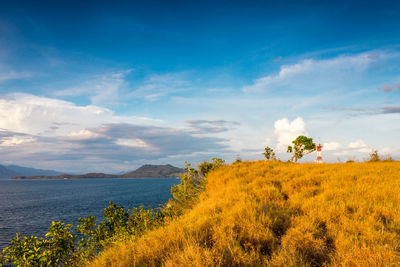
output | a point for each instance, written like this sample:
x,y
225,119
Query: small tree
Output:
x,y
302,146
269,153
374,156
205,167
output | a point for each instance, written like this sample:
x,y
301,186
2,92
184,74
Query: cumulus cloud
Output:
x,y
331,146
107,145
44,116
51,133
286,131
310,74
212,126
357,144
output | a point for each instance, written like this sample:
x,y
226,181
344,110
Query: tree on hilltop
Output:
x,y
269,153
302,146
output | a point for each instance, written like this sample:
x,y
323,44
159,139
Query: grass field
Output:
x,y
280,214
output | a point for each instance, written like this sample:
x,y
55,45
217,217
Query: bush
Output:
x,y
374,156
186,193
59,247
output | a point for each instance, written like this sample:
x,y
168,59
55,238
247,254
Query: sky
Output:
x,y
107,86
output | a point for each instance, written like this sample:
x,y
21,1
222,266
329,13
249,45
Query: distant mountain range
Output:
x,y
8,171
155,171
146,171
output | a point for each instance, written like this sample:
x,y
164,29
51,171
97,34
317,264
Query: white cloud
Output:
x,y
331,146
156,86
12,75
357,144
84,135
287,131
101,89
310,74
136,142
34,115
40,131
16,140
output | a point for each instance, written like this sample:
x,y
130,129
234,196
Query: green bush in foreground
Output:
x,y
62,246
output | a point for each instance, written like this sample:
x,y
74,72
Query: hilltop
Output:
x,y
279,214
155,171
8,171
145,171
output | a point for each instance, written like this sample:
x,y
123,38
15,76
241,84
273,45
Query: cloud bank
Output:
x,y
312,74
286,131
54,132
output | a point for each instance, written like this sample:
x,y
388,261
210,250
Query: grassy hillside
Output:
x,y
280,214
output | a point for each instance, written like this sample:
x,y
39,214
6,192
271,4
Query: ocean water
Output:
x,y
29,206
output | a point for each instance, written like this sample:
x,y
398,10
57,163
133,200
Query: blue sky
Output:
x,y
108,86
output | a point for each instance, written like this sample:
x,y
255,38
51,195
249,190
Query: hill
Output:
x,y
146,171
31,171
280,214
6,173
155,171
66,176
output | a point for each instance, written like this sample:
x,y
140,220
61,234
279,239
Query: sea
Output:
x,y
29,206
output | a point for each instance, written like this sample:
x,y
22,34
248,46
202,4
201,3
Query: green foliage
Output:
x,y
269,153
192,184
61,247
302,146
57,248
205,167
185,193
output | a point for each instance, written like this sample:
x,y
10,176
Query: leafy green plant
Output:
x,y
62,247
269,153
57,248
193,182
302,146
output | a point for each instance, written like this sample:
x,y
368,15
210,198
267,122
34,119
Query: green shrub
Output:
x,y
59,247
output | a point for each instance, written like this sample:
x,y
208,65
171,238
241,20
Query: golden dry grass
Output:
x,y
279,214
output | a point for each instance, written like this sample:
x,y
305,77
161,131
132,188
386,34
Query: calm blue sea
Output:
x,y
29,206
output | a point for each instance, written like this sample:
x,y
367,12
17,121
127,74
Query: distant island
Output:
x,y
8,171
145,171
